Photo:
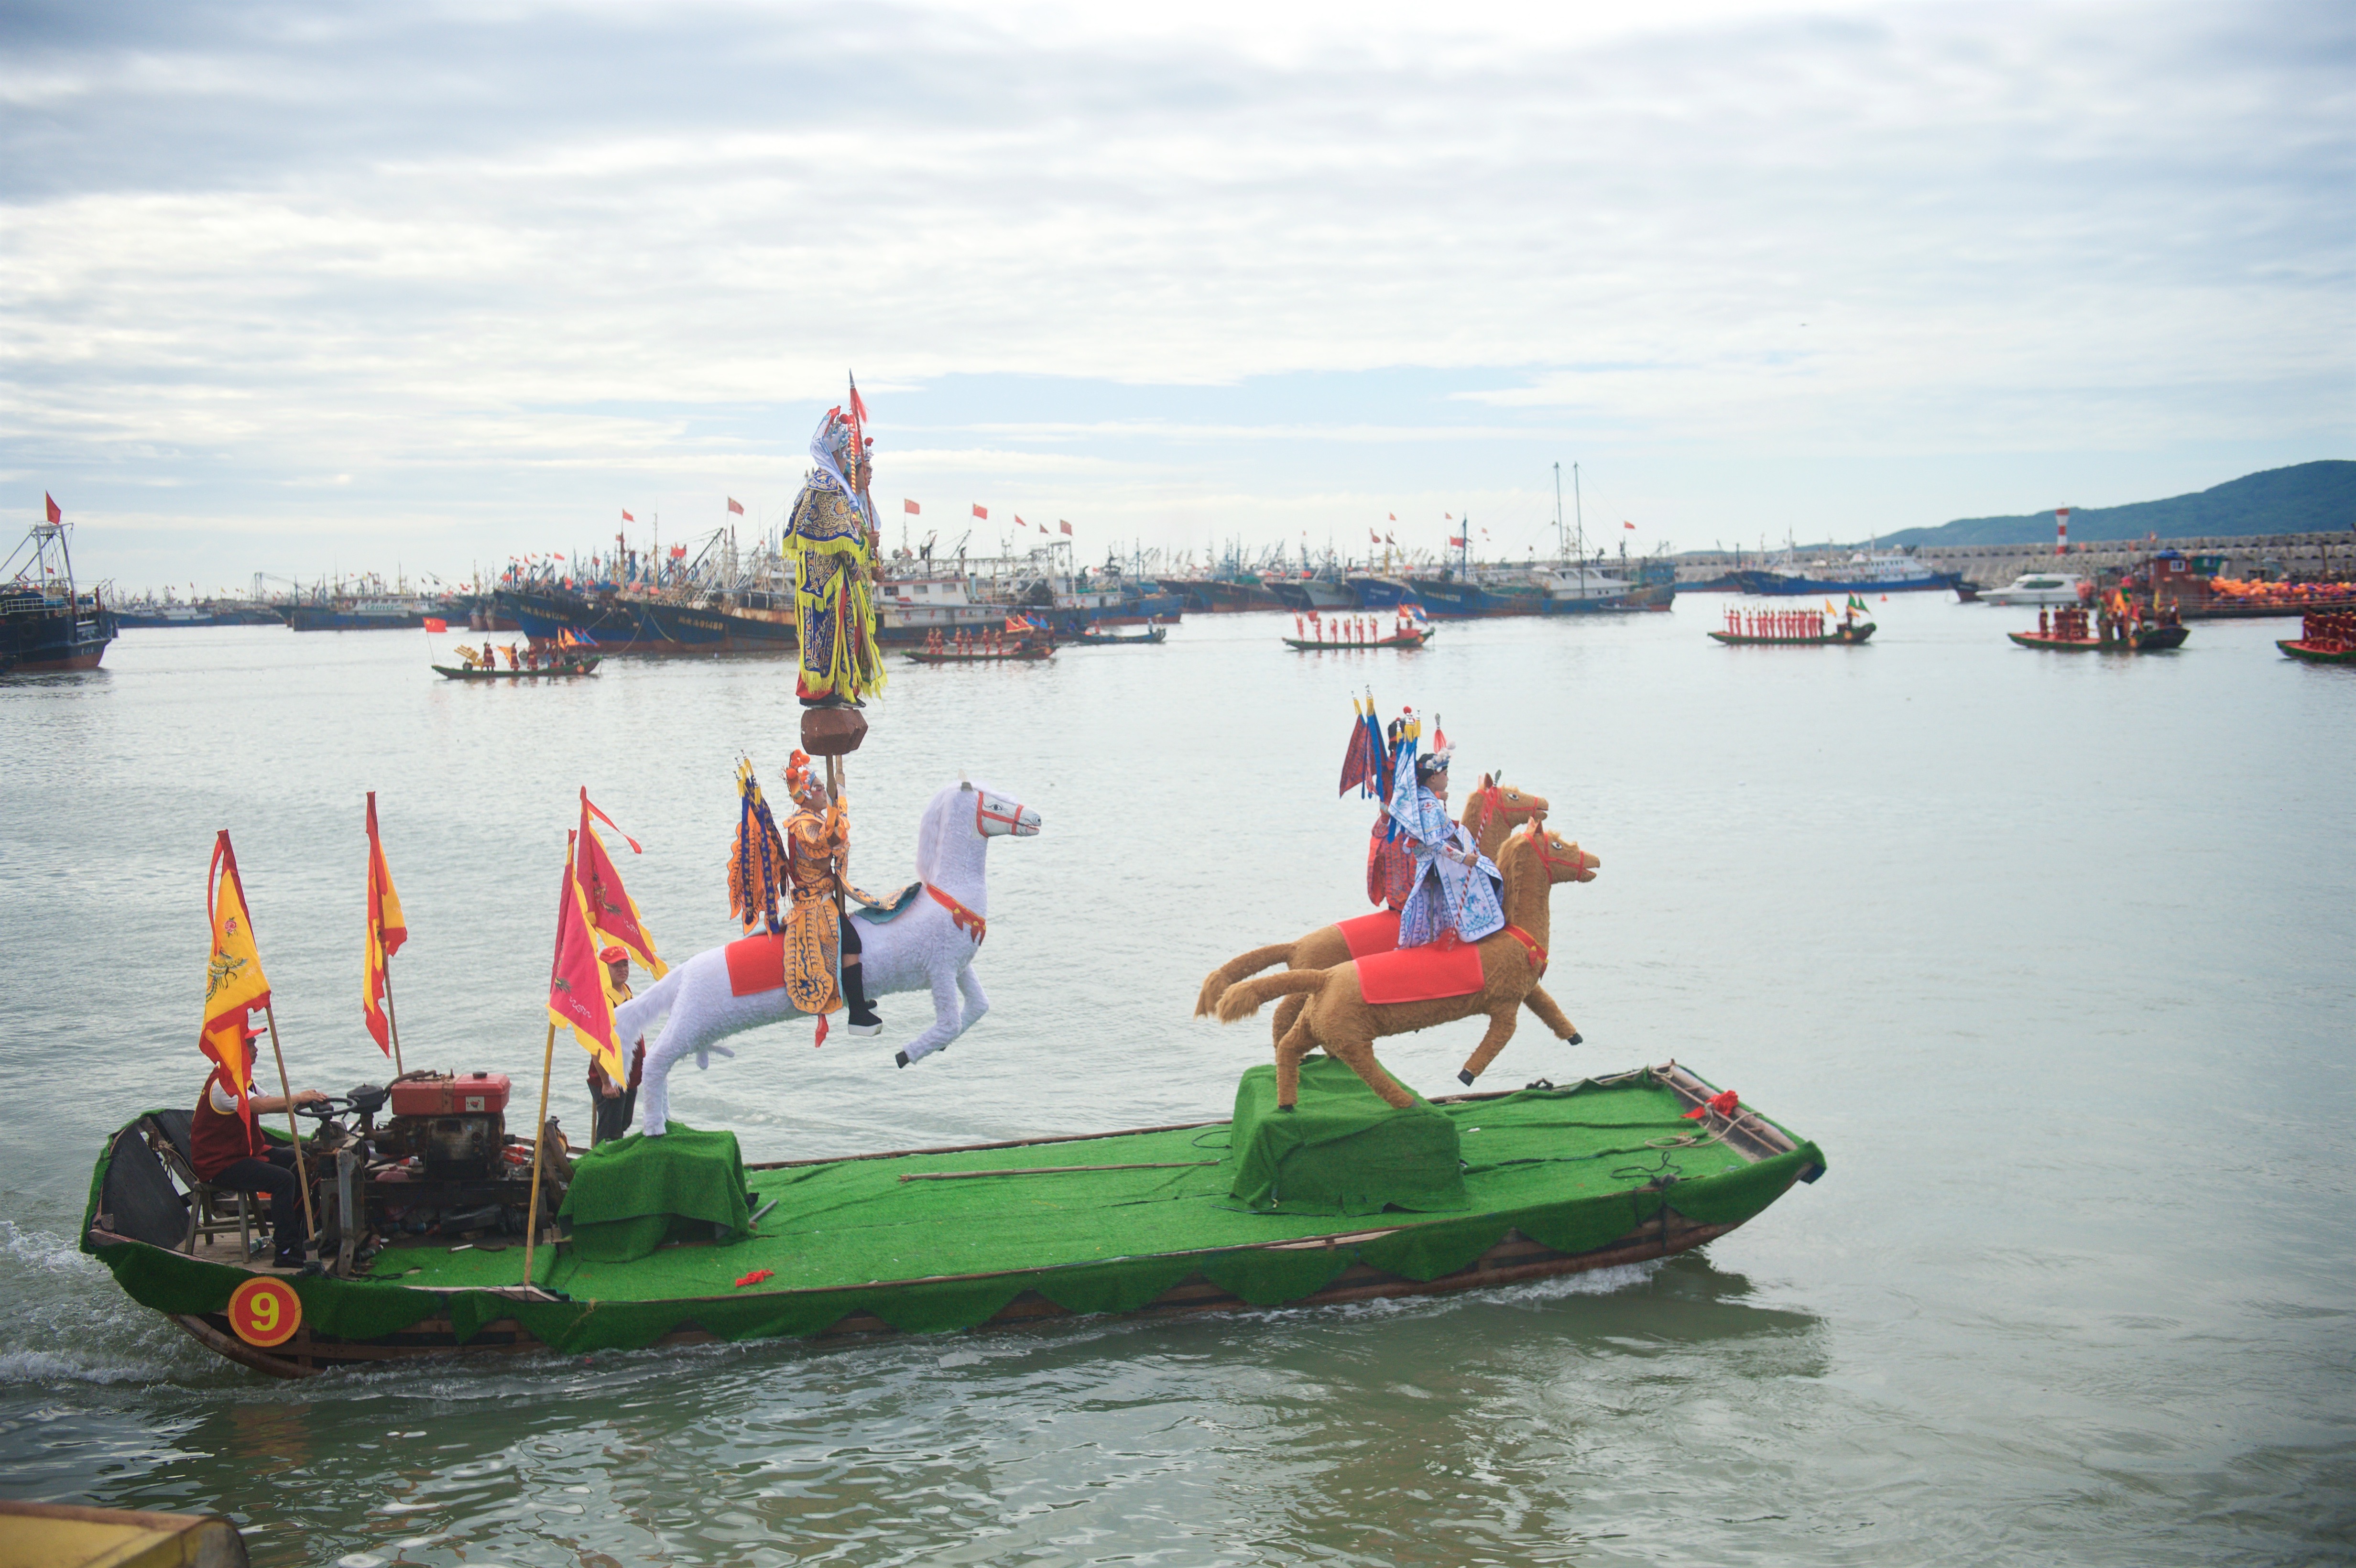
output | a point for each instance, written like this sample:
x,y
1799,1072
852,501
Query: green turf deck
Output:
x,y
856,1222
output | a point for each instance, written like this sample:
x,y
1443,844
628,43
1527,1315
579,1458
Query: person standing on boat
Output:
x,y
612,1105
821,940
831,536
227,1151
1456,886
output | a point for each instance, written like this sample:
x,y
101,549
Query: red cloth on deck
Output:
x,y
1425,974
756,964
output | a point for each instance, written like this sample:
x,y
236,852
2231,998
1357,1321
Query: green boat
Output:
x,y
2317,651
674,1241
1845,636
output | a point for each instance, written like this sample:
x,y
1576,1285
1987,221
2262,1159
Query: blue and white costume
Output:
x,y
1449,894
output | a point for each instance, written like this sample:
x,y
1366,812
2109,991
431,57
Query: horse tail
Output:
x,y
629,1018
1242,1000
1238,968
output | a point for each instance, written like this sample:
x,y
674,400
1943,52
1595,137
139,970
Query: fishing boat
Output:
x,y
47,624
1880,572
982,653
2072,630
1152,636
1340,1200
2326,636
568,667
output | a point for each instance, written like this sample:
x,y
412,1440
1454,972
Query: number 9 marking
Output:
x,y
265,1312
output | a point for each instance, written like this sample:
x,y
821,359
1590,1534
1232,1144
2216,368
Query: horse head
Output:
x,y
1493,810
997,817
1535,851
969,813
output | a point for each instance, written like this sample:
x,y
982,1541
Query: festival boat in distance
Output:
x,y
1794,628
1017,642
570,665
2109,630
2326,637
1152,636
1343,633
1340,1200
47,623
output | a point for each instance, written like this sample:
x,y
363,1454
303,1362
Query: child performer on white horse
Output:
x,y
817,862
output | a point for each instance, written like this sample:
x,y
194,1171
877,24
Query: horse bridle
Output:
x,y
981,814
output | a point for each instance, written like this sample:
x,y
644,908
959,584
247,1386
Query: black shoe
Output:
x,y
862,1020
288,1257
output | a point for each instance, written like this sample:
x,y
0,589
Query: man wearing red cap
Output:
x,y
611,1104
227,1151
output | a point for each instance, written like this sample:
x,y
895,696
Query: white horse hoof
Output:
x,y
901,1057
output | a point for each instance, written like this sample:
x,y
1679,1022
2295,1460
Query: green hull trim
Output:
x,y
2308,654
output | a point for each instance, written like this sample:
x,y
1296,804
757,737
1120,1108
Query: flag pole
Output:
x,y
392,1019
538,1135
287,1092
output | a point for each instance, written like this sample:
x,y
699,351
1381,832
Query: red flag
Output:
x,y
1068,528
1453,542
1021,524
627,519
1394,516
913,509
1390,538
576,981
611,910
678,552
436,624
55,515
858,408
1043,528
981,511
556,558
1627,525
736,505
387,929
1374,538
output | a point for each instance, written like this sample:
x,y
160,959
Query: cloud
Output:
x,y
548,252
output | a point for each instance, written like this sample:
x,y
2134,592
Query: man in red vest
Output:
x,y
229,1152
614,1103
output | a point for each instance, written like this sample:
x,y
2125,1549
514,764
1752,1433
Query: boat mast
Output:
x,y
1579,512
1561,539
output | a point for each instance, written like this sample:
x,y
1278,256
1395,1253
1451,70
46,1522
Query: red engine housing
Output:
x,y
477,1094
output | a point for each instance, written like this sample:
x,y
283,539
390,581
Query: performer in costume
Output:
x,y
1456,886
611,1104
831,536
818,931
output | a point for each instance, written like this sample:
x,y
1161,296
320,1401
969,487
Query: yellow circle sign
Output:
x,y
265,1312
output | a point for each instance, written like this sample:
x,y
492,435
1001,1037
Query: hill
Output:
x,y
2307,499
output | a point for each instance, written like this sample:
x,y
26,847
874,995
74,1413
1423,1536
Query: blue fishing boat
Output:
x,y
46,623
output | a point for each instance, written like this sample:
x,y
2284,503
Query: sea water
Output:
x,y
2049,953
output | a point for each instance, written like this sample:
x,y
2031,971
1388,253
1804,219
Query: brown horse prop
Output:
x,y
1491,811
1341,1019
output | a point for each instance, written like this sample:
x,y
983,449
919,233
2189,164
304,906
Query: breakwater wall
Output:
x,y
2330,557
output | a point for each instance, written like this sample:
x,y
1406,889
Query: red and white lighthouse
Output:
x,y
2062,530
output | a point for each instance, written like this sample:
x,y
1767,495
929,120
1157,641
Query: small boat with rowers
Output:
x,y
1018,641
2113,628
1316,634
547,669
2326,636
1794,628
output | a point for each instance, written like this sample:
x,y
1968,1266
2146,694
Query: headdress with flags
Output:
x,y
757,865
234,983
1359,768
612,911
387,929
576,980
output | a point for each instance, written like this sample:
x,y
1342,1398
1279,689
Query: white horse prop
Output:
x,y
928,944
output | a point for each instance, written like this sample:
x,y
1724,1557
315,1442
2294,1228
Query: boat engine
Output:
x,y
455,1127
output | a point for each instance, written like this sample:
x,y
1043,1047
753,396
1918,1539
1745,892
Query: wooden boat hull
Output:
x,y
460,672
2318,653
1557,1225
2153,640
1154,638
1310,645
1847,637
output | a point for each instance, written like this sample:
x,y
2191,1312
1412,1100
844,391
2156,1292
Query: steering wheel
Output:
x,y
320,1110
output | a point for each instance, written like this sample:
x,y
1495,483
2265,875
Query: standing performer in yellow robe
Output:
x,y
818,928
831,536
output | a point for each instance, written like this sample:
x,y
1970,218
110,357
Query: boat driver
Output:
x,y
1456,887
229,1152
818,851
612,1105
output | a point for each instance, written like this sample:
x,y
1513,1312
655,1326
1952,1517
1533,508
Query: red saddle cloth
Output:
x,y
1423,974
1371,934
757,963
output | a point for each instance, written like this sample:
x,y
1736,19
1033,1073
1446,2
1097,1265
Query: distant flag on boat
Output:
x,y
1626,524
612,911
1394,516
1456,541
627,519
981,511
436,624
913,509
736,505
57,515
387,929
576,981
234,982
1067,526
1372,538
1043,528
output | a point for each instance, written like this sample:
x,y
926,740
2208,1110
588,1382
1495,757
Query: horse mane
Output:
x,y
928,830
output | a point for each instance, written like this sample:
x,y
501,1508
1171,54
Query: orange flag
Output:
x,y
611,910
234,982
386,931
576,981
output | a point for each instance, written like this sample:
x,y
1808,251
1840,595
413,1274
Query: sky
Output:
x,y
315,288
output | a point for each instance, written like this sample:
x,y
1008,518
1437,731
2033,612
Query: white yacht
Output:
x,y
2036,588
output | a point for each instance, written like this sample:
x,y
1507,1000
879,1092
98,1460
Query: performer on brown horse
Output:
x,y
1341,1019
